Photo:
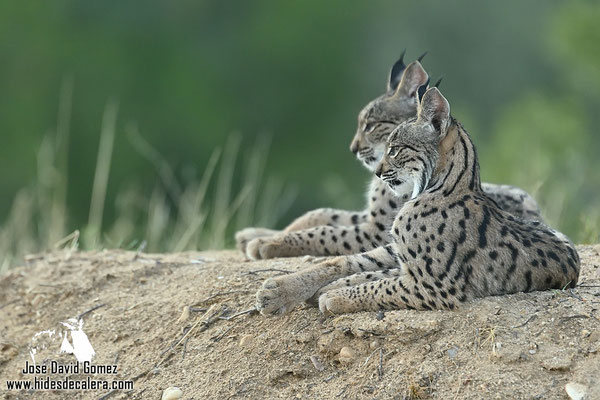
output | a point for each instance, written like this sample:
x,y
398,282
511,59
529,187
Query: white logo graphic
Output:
x,y
79,345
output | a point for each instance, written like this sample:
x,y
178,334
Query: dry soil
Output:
x,y
172,320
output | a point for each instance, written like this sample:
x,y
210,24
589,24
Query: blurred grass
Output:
x,y
175,216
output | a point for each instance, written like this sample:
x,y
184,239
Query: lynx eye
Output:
x,y
393,151
369,127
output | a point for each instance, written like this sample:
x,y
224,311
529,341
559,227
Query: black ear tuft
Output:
x,y
437,84
396,72
422,89
422,56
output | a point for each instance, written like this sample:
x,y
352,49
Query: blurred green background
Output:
x,y
277,86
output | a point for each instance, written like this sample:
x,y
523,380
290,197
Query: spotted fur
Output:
x,y
451,242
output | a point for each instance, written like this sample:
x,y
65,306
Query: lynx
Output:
x,y
330,232
450,243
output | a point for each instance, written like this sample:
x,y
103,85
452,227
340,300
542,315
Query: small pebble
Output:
x,y
185,315
585,333
561,362
452,352
374,344
37,300
533,348
380,315
318,364
347,354
576,391
246,340
172,393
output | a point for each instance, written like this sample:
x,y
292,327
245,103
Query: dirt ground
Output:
x,y
524,346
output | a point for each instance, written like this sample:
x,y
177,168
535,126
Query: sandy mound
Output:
x,y
520,346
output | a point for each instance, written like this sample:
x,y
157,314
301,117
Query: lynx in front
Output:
x,y
329,232
451,242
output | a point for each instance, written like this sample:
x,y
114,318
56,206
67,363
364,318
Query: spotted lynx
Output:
x,y
450,242
327,232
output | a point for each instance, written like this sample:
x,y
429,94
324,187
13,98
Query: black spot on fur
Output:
x,y
553,256
483,228
470,254
528,281
441,228
534,263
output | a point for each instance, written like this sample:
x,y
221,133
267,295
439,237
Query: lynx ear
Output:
x,y
413,78
396,72
434,109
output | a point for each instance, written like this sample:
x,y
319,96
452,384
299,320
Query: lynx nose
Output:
x,y
354,147
379,170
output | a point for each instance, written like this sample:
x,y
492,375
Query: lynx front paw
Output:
x,y
265,248
279,295
253,249
243,237
338,302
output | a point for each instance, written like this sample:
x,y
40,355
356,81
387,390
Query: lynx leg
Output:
x,y
353,280
281,294
320,241
406,290
370,296
327,216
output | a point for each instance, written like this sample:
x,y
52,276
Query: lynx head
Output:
x,y
378,118
412,149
